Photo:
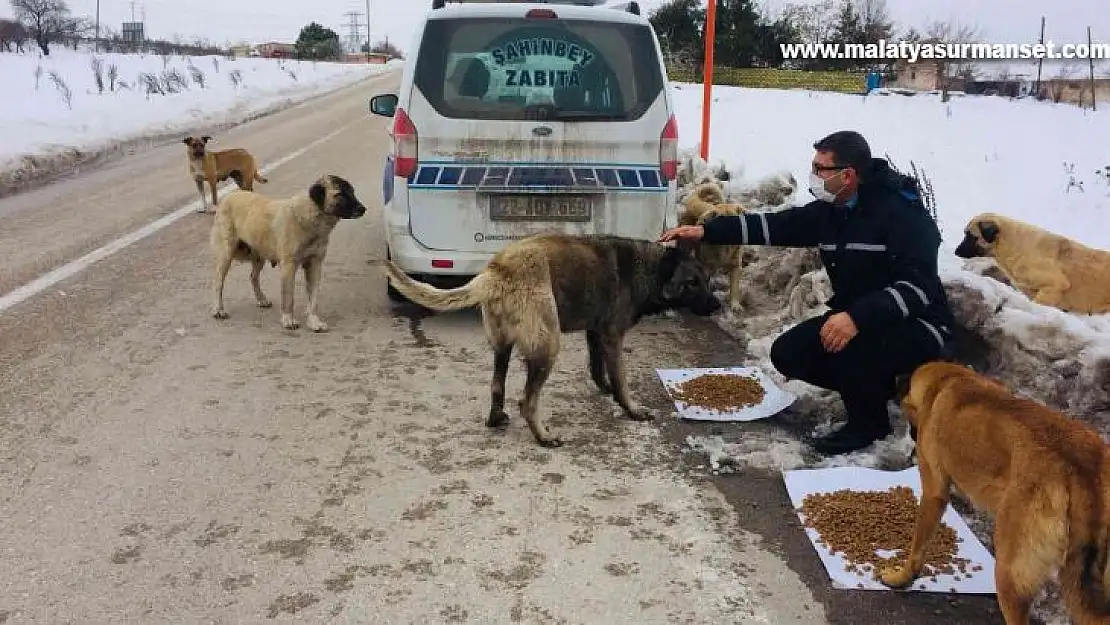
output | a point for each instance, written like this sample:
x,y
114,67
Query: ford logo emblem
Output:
x,y
542,131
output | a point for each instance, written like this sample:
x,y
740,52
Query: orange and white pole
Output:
x,y
707,76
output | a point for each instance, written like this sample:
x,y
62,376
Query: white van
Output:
x,y
518,118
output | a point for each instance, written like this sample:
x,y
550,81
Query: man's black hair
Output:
x,y
849,149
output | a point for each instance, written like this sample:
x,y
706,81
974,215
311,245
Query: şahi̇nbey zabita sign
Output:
x,y
516,51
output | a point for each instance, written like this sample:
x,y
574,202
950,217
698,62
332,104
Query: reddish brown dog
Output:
x,y
215,167
1041,474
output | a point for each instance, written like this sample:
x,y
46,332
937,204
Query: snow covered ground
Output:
x,y
55,113
1042,163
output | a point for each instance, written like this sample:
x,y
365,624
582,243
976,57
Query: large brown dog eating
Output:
x,y
539,287
1042,476
289,233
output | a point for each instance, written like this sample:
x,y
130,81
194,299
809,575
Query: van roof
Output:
x,y
615,12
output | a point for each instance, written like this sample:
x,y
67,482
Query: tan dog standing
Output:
x,y
1042,475
1048,268
215,167
289,233
707,201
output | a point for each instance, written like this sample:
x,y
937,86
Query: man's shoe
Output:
x,y
846,440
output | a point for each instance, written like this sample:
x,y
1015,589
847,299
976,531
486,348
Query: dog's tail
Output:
x,y
259,177
1086,572
442,300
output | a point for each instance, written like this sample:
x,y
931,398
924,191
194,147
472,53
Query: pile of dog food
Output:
x,y
720,392
857,524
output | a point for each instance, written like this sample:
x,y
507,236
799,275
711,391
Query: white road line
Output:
x,y
74,267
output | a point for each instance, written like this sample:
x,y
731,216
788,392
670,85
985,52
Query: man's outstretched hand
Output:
x,y
683,233
838,330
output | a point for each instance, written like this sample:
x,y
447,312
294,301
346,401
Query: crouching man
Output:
x,y
889,312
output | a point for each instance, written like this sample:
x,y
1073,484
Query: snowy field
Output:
x,y
56,109
1042,163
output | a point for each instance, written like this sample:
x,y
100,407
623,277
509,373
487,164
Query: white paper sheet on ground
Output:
x,y
775,400
808,481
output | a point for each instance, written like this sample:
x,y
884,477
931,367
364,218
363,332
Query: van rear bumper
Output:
x,y
416,260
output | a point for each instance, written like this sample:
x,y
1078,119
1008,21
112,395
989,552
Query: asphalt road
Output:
x,y
158,465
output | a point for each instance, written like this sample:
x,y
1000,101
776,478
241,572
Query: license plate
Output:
x,y
540,208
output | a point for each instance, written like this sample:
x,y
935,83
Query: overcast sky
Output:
x,y
264,20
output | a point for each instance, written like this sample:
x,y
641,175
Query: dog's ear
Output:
x,y
989,230
317,193
186,140
206,139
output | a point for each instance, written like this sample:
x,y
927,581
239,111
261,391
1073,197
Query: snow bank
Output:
x,y
57,117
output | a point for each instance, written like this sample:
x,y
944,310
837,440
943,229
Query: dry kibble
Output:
x,y
859,523
720,392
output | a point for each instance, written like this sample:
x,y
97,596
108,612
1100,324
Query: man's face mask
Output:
x,y
819,190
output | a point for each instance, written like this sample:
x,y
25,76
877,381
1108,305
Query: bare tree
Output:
x,y
815,22
12,34
45,20
75,29
948,68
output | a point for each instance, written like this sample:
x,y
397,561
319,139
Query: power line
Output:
x,y
354,30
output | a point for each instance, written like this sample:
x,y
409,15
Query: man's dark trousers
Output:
x,y
863,373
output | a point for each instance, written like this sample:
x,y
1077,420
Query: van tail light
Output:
x,y
404,145
668,150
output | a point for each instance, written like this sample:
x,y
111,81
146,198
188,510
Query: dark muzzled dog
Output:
x,y
289,232
1048,268
538,288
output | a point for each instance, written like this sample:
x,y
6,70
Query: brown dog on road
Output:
x,y
1042,476
537,288
215,167
706,202
289,233
1048,268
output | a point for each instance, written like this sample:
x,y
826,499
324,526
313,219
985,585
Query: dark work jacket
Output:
x,y
880,254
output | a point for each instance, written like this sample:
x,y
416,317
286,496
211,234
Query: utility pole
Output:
x,y
97,44
1040,62
1091,58
707,76
367,31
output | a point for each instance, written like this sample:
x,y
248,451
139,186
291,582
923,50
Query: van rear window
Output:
x,y
516,69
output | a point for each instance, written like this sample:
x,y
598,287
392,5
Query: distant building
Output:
x,y
1075,90
243,50
275,50
374,58
924,75
927,74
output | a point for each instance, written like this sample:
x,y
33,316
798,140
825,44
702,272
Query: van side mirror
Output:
x,y
384,105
